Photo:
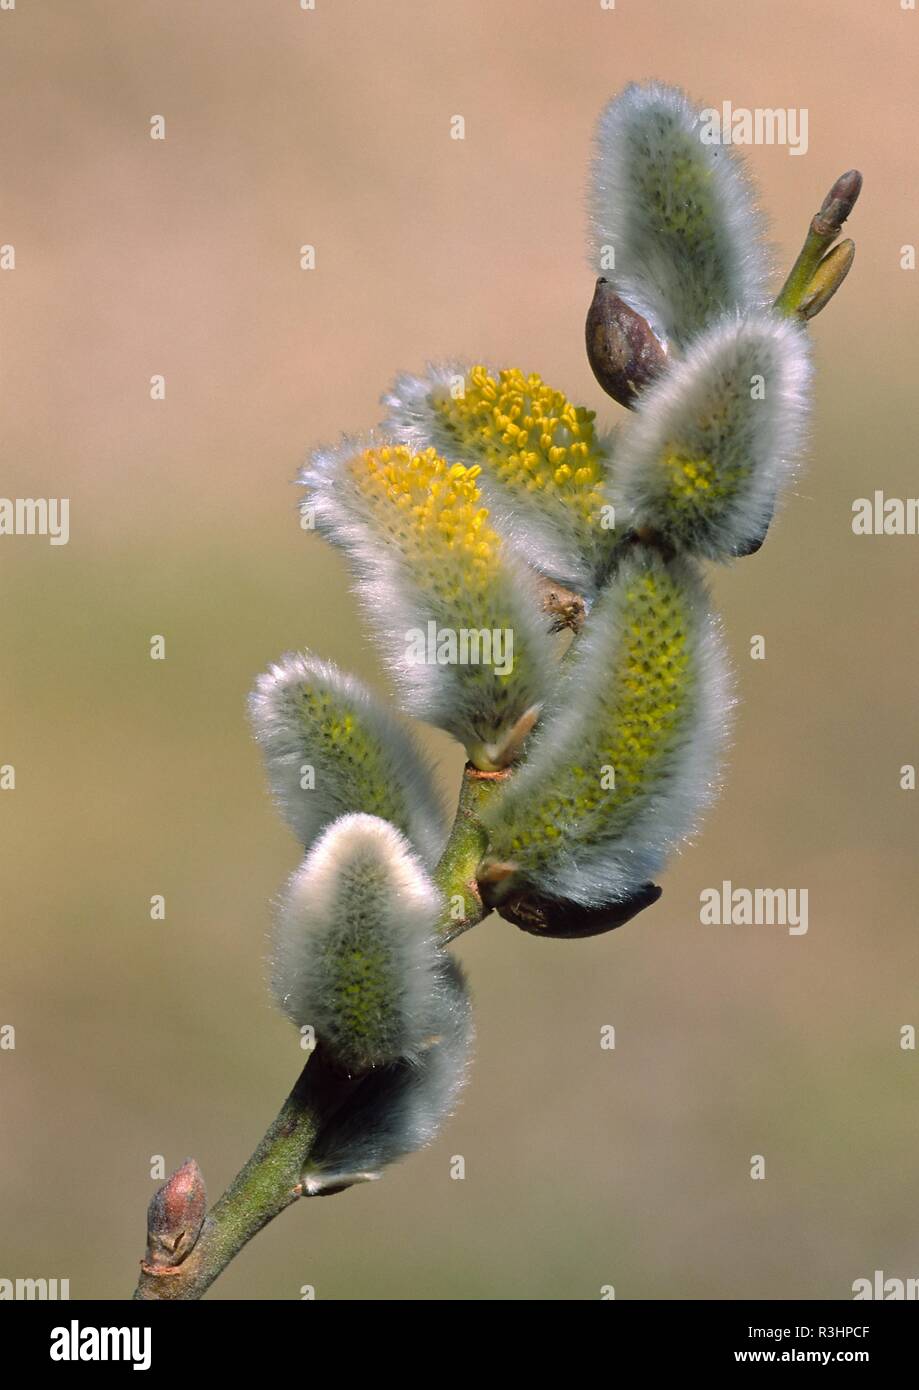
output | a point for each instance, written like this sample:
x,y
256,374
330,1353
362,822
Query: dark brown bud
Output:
x,y
623,351
175,1216
838,203
552,917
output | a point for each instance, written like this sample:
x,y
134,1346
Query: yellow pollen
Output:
x,y
536,441
437,502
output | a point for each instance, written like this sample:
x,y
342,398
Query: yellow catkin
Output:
x,y
647,703
532,437
435,508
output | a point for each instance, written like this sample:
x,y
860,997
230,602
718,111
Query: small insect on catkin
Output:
x,y
674,225
544,464
626,756
704,457
332,748
457,615
355,953
399,1108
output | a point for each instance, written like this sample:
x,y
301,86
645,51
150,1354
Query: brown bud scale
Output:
x,y
175,1216
623,351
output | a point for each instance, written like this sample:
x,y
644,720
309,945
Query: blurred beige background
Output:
x,y
135,257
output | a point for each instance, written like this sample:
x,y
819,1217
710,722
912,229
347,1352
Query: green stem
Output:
x,y
825,227
269,1182
273,1177
455,875
802,272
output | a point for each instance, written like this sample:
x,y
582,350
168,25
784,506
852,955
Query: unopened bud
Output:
x,y
838,204
175,1216
622,349
541,916
816,276
826,279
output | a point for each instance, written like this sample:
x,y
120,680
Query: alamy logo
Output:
x,y
764,125
749,907
36,516
27,1290
76,1343
891,1290
885,516
445,646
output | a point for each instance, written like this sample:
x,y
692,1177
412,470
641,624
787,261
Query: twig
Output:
x,y
185,1254
815,276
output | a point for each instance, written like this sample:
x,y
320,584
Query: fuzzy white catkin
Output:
x,y
678,216
399,1108
626,756
704,458
355,952
319,726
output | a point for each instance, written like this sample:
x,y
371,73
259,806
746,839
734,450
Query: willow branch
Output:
x,y
186,1251
269,1182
